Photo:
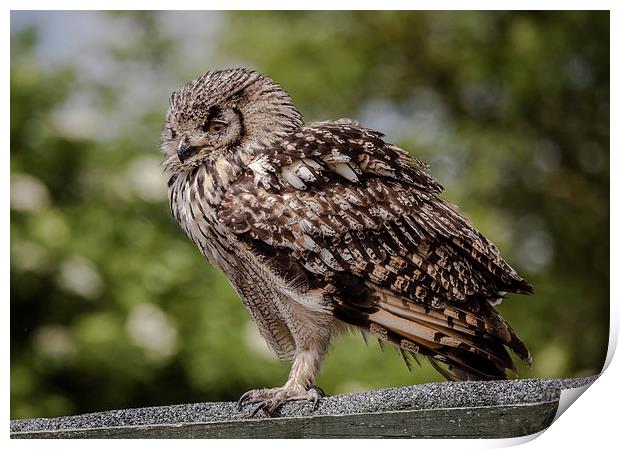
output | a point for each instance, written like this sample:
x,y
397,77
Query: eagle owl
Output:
x,y
325,226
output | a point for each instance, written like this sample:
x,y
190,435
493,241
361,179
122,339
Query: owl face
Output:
x,y
224,111
209,130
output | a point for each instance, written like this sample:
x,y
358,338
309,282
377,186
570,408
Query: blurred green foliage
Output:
x,y
113,307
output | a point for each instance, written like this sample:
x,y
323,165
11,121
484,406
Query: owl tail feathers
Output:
x,y
466,347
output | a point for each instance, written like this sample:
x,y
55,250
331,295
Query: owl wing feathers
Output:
x,y
333,208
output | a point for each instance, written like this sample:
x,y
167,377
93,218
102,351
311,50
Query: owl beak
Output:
x,y
185,150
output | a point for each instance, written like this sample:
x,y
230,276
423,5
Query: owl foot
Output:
x,y
270,399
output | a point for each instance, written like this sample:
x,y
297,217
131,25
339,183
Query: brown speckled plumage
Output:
x,y
323,225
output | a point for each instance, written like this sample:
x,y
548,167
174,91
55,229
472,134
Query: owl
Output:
x,y
323,227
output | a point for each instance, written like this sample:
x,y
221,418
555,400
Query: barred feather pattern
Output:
x,y
334,209
324,226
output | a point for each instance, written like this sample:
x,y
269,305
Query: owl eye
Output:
x,y
214,126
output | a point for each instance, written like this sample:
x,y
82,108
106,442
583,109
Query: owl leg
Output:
x,y
300,385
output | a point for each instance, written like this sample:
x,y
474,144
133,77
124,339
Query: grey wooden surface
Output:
x,y
439,410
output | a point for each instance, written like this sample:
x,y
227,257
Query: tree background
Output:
x,y
113,307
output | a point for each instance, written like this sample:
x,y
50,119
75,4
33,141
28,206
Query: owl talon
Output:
x,y
256,409
269,400
319,390
315,394
244,397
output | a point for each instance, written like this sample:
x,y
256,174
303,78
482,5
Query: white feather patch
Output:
x,y
292,178
344,170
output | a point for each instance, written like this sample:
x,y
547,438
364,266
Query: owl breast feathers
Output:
x,y
330,226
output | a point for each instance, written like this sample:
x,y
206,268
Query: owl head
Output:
x,y
224,111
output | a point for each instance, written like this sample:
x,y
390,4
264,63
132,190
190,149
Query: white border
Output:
x,y
591,421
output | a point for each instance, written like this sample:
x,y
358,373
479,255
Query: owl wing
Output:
x,y
333,208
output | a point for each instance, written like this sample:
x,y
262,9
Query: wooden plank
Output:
x,y
470,409
470,422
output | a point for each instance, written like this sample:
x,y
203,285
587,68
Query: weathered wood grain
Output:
x,y
477,422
